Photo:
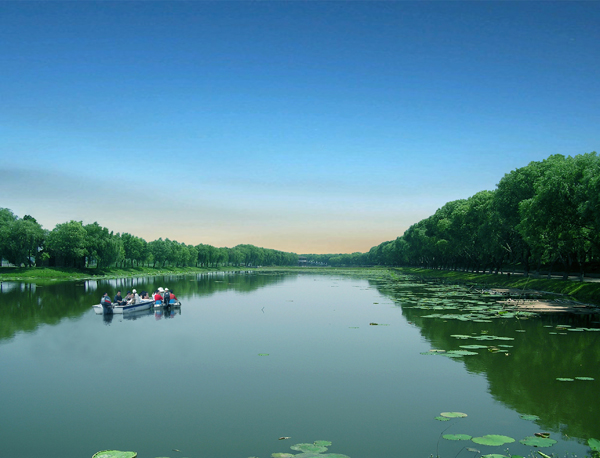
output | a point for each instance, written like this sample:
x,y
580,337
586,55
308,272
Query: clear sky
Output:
x,y
309,126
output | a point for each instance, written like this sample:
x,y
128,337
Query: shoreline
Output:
x,y
585,293
52,274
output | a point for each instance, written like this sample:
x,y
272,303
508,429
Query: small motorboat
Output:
x,y
172,303
144,304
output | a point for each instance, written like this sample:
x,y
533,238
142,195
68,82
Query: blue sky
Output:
x,y
313,127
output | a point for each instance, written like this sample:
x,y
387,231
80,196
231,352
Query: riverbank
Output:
x,y
588,292
67,274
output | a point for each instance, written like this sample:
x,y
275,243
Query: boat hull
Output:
x,y
144,304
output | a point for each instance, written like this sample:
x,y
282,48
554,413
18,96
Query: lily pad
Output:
x,y
114,454
530,417
594,444
457,437
263,354
535,441
493,439
309,448
442,419
494,455
462,352
282,455
323,443
453,414
584,378
565,379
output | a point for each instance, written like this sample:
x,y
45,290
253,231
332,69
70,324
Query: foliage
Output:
x,y
25,242
545,213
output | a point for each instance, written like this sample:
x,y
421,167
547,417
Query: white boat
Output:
x,y
158,304
144,304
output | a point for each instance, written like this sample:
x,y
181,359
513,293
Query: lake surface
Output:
x,y
252,357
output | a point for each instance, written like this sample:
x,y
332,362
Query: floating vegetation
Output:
x,y
565,379
585,378
114,454
453,414
461,353
537,441
442,418
493,439
457,437
594,444
310,450
263,354
494,455
529,417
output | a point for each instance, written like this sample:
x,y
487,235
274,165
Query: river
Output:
x,y
252,357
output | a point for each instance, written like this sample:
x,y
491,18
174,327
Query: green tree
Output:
x,y
67,244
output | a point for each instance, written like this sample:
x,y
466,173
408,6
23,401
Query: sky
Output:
x,y
302,126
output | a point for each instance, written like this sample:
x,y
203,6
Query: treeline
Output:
x,y
544,215
23,241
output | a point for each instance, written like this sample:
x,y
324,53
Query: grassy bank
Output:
x,y
582,291
63,273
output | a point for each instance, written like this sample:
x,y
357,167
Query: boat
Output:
x,y
158,304
144,304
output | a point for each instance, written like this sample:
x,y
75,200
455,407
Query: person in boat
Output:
x,y
157,296
173,299
167,296
119,299
136,297
105,301
128,298
144,295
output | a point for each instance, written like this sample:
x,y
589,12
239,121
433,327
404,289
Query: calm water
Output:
x,y
252,357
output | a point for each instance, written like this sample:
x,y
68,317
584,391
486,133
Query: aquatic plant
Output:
x,y
315,449
114,454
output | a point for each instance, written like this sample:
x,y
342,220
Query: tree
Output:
x,y
102,246
21,239
67,244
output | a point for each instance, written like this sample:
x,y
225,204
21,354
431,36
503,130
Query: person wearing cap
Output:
x,y
167,296
136,297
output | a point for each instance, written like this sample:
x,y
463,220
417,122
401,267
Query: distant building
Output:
x,y
302,261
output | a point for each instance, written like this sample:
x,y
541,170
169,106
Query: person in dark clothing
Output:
x,y
105,302
119,299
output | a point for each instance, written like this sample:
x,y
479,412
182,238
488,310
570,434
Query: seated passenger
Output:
x,y
173,299
157,296
119,299
136,297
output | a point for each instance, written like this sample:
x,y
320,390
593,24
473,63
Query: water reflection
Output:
x,y
523,374
26,306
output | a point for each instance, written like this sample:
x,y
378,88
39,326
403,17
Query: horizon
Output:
x,y
312,128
